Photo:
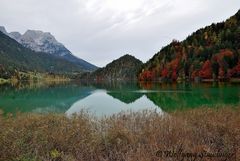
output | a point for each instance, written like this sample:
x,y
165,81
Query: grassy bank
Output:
x,y
33,77
129,136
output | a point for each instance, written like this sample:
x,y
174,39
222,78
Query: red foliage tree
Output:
x,y
174,64
206,71
194,74
147,75
174,75
225,53
221,58
164,73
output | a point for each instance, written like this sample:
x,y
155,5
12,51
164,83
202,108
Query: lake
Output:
x,y
113,97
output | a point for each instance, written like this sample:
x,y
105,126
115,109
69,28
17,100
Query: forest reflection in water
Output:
x,y
107,98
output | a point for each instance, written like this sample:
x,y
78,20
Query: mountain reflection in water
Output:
x,y
101,103
111,97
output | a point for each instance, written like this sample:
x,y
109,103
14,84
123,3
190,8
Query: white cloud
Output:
x,y
102,30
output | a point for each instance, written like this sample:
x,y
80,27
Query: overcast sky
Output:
x,y
102,30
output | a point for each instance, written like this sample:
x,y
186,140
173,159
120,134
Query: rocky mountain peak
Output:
x,y
3,30
15,35
37,34
40,36
40,41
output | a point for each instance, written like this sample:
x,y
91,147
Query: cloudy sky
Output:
x,y
102,30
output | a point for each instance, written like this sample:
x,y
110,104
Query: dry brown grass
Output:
x,y
125,136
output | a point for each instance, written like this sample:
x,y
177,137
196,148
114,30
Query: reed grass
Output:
x,y
130,136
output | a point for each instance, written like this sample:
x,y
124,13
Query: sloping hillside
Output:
x,y
40,41
210,52
126,67
13,56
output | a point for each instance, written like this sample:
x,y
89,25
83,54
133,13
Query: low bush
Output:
x,y
203,134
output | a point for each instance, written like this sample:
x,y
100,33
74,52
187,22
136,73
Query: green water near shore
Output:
x,y
113,97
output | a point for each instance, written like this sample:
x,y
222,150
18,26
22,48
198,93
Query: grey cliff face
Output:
x,y
3,30
15,35
40,41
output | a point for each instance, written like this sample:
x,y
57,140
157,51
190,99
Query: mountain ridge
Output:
x,y
15,57
40,41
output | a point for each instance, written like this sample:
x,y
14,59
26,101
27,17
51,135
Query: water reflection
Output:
x,y
181,96
112,97
53,98
101,103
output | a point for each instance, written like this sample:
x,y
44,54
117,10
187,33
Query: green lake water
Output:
x,y
110,98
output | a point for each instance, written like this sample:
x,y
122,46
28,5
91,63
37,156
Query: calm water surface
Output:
x,y
109,98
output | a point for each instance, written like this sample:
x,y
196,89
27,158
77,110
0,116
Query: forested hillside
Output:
x,y
126,67
210,52
14,58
